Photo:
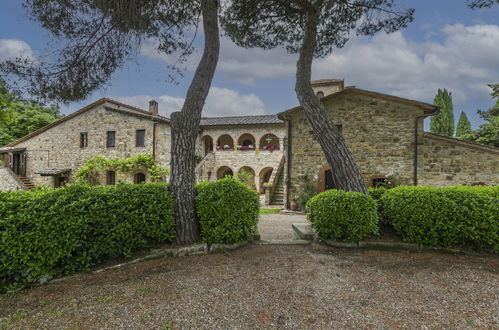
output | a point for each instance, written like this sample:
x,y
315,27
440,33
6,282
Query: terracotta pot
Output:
x,y
294,205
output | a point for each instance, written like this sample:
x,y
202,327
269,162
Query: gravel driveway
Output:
x,y
277,226
267,286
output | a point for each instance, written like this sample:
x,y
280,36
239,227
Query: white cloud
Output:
x,y
464,62
220,102
11,48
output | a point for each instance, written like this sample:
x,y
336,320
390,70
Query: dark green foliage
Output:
x,y
19,118
227,211
443,123
463,126
308,190
488,133
443,217
343,215
377,192
50,233
275,23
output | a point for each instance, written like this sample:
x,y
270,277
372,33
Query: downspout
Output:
x,y
288,163
416,124
154,141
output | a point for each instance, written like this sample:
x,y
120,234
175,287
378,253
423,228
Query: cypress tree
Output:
x,y
463,126
443,123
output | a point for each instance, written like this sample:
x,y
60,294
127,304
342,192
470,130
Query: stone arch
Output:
x,y
246,140
264,177
269,142
207,142
139,177
223,171
251,171
225,142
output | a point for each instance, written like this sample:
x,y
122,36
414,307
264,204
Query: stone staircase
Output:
x,y
278,196
26,182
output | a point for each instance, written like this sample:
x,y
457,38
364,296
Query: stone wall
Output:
x,y
379,133
8,181
258,160
60,146
446,161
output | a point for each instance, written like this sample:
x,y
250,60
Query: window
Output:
x,y
379,182
139,178
111,139
110,178
320,95
140,136
83,139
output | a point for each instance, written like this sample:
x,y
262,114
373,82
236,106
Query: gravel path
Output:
x,y
277,226
262,286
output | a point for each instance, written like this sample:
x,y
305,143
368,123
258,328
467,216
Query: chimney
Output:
x,y
153,107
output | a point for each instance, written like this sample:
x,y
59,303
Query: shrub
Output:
x,y
49,233
343,215
377,192
443,217
227,211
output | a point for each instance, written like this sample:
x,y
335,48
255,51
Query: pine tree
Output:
x,y
463,126
443,123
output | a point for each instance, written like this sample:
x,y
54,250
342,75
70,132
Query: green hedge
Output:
x,y
44,234
227,210
443,217
377,192
343,215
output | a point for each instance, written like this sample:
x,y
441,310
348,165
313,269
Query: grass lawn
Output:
x,y
269,211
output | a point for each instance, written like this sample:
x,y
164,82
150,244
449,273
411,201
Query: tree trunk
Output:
x,y
185,126
346,175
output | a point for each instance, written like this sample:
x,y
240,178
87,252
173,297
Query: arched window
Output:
x,y
265,175
320,94
207,142
247,176
224,171
139,178
110,178
246,142
269,142
225,142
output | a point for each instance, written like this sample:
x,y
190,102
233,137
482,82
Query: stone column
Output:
x,y
281,144
257,148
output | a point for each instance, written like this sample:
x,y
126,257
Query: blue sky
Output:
x,y
447,46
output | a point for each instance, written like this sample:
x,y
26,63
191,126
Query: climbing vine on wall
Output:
x,y
89,171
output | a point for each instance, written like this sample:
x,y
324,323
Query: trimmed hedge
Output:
x,y
227,210
377,192
49,233
443,217
343,215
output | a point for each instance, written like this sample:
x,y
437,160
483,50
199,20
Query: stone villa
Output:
x,y
384,132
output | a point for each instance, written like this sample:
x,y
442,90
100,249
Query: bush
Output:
x,y
49,233
377,192
443,217
227,211
343,215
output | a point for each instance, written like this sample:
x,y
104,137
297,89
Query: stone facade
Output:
x,y
7,181
259,161
59,147
445,161
379,129
379,133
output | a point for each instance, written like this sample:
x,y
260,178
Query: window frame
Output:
x,y
108,144
136,178
83,140
110,182
143,132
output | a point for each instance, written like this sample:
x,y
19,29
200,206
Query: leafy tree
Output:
x,y
22,117
488,133
98,37
463,126
443,123
313,28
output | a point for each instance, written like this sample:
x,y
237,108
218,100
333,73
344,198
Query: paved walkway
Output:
x,y
277,226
